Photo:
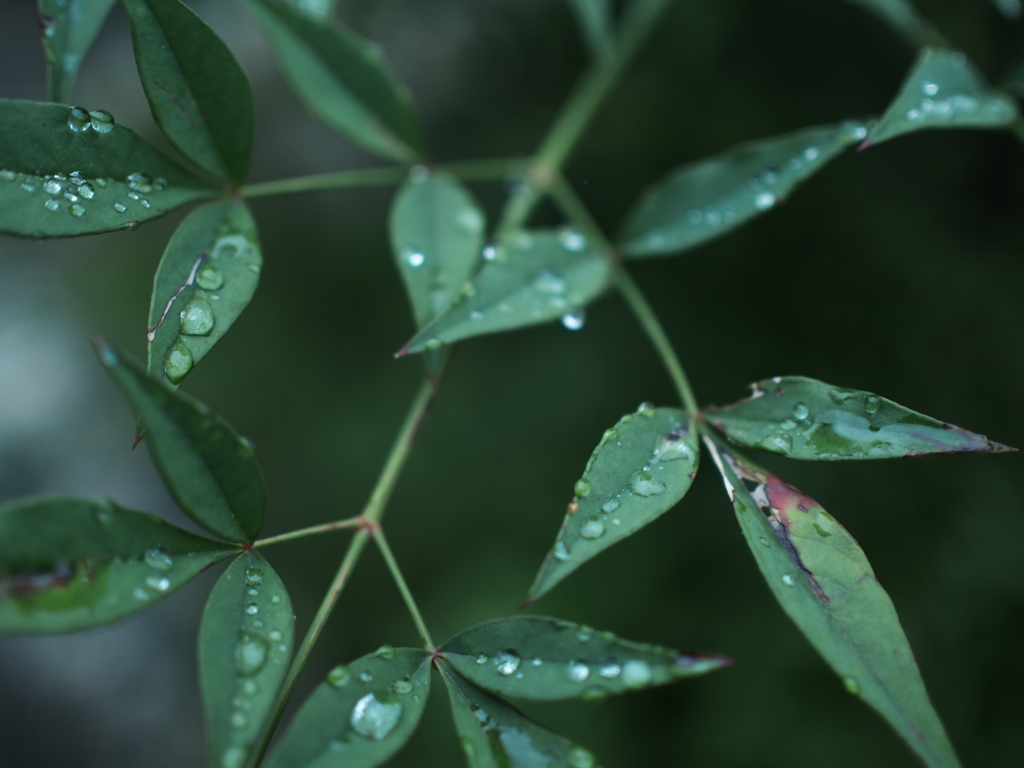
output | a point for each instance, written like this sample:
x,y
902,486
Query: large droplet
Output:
x,y
52,186
592,529
101,121
254,577
197,318
507,661
643,483
871,403
178,362
561,552
610,669
210,278
375,717
578,671
251,653
582,487
339,676
801,412
78,119
636,673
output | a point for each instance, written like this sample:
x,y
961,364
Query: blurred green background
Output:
x,y
897,270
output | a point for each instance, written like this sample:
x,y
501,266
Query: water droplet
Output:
x,y
482,658
764,540
119,207
871,403
210,278
580,757
376,717
158,581
575,321
470,220
385,652
636,673
801,412
592,529
418,174
402,687
134,196
643,483
71,195
536,661
86,190
253,592
275,599
365,677
197,318
853,130
339,676
764,200
254,577
52,205
233,758
140,594
561,552
673,446
52,186
578,671
251,652
694,216
6,175
549,282
140,182
582,487
30,184
611,505
572,241
144,203
489,253
585,633
507,662
78,210
239,721
851,685
250,687
275,635
610,669
811,154
433,344
157,559
788,579
476,314
178,362
252,609
78,119
101,121
414,258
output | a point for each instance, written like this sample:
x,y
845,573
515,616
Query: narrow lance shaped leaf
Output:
x,y
211,471
208,274
903,17
343,79
69,564
65,171
494,734
807,419
944,90
595,20
245,644
361,716
534,277
535,657
197,91
641,468
69,28
437,232
708,198
823,581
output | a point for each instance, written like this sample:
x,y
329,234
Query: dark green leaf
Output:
x,y
902,17
807,419
343,79
595,18
437,232
494,734
362,715
211,471
68,564
710,197
1009,8
245,644
199,95
64,172
1015,81
69,28
824,582
641,468
534,277
944,90
534,657
206,277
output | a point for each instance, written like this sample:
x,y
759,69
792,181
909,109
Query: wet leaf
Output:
x,y
944,90
641,468
69,28
494,734
807,419
245,645
534,277
825,584
61,176
903,17
362,715
208,274
437,231
535,657
210,471
710,197
199,95
69,564
595,19
343,79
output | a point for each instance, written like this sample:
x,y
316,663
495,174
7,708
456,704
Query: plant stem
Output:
x,y
371,516
468,170
338,525
410,603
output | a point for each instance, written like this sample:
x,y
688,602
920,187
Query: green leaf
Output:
x,y
807,419
1009,8
944,90
534,277
199,95
245,642
903,17
437,232
69,28
706,199
595,19
343,79
64,172
641,468
211,471
208,274
362,715
494,734
69,564
535,657
825,584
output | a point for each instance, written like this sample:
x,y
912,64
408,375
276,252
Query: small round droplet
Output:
x,y
851,685
233,758
611,505
489,253
871,403
253,592
339,676
414,258
210,278
580,757
507,662
78,210
157,559
78,119
158,581
561,552
572,241
482,658
592,529
764,541
197,318
254,577
578,671
101,121
801,412
788,579
636,673
86,190
402,687
252,609
52,186
585,633
178,362
251,653
52,205
140,182
385,652
6,175
643,483
140,594
120,207
365,677
239,720
574,321
610,669
764,200
582,487
275,635
275,599
375,717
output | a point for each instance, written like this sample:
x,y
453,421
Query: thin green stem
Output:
x,y
371,516
467,170
410,603
313,530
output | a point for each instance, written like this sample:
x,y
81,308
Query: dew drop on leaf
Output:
x,y
507,661
578,671
339,676
580,757
79,120
375,717
101,121
636,673
178,362
251,652
197,318
592,529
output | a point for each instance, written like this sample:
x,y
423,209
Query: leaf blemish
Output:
x,y
151,333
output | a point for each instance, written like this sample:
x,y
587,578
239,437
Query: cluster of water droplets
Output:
x,y
801,421
376,714
937,108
